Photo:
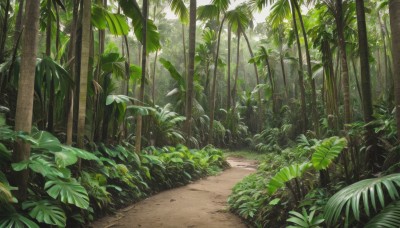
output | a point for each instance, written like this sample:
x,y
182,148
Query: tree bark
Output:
x,y
3,37
314,111
236,71
343,61
213,90
84,71
228,101
190,76
394,11
138,139
374,157
24,110
260,112
303,123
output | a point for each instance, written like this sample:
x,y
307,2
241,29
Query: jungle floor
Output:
x,y
200,204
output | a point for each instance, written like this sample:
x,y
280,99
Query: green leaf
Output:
x,y
388,217
16,220
46,141
286,174
70,192
349,198
102,18
326,151
274,201
79,153
45,211
64,159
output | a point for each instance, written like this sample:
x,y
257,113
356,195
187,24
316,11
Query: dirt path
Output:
x,y
201,204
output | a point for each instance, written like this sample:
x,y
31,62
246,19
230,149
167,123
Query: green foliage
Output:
x,y
388,217
47,212
102,18
68,192
286,174
305,220
360,197
326,151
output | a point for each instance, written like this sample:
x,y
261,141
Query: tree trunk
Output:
x,y
303,123
236,71
228,101
374,157
3,37
84,71
213,90
394,11
184,51
138,139
314,111
190,76
260,112
24,110
343,61
50,111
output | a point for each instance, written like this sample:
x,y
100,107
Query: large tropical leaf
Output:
x,y
16,220
179,8
388,217
326,151
207,12
70,192
79,153
286,174
173,72
43,140
369,191
132,10
116,23
45,211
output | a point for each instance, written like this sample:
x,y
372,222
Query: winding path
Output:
x,y
200,204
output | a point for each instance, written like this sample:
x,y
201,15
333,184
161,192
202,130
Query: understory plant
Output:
x,y
71,187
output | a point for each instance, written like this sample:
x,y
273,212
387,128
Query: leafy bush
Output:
x,y
111,177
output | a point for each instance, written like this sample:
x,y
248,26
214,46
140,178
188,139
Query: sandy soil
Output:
x,y
200,204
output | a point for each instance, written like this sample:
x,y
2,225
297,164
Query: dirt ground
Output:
x,y
200,204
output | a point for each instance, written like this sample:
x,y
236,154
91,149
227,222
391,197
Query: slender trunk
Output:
x,y
145,8
228,101
153,89
374,157
190,76
3,37
236,71
213,91
57,29
356,79
261,114
71,53
184,50
314,110
343,62
50,111
18,22
84,71
303,123
394,11
24,110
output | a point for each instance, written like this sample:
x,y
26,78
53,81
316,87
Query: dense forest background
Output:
x,y
314,87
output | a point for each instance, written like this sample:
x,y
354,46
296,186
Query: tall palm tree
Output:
x,y
394,11
373,155
24,110
84,71
215,10
138,139
189,81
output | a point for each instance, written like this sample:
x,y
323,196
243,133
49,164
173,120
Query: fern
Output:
x,y
369,190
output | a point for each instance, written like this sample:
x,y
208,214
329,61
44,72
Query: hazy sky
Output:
x,y
258,16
